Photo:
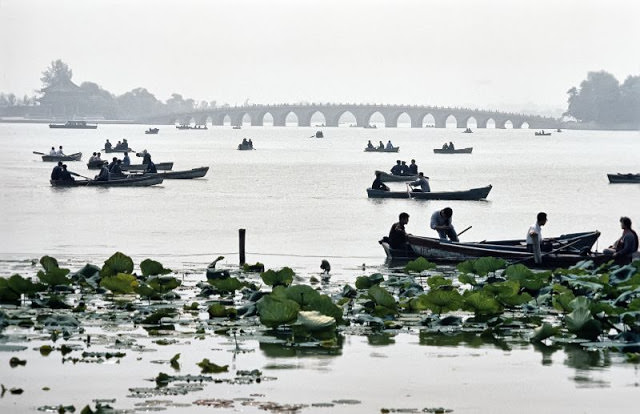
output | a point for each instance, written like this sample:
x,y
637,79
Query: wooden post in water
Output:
x,y
241,234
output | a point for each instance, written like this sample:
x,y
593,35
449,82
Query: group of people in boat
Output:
x,y
449,146
247,143
124,145
401,168
114,170
380,146
621,251
56,153
60,173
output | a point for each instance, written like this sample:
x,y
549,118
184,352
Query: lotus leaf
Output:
x,y
348,292
515,300
282,277
581,322
314,321
384,311
89,271
486,265
419,265
466,278
209,367
482,303
275,311
440,301
503,289
152,268
381,297
257,267
622,275
122,283
324,305
48,263
302,294
365,282
174,362
435,282
8,295
212,265
22,285
156,316
145,291
163,284
218,310
54,277
118,263
226,285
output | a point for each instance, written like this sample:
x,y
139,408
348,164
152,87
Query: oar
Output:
x,y
78,175
464,230
38,153
408,190
548,253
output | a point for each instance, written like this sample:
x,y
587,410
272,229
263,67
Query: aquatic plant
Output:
x,y
282,277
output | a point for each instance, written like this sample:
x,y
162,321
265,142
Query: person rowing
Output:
x,y
378,184
423,182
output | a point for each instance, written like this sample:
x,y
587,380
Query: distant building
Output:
x,y
63,99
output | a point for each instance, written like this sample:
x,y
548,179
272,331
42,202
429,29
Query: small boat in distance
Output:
x,y
467,131
187,126
318,134
152,131
623,178
55,158
385,149
474,194
236,127
74,125
453,151
542,133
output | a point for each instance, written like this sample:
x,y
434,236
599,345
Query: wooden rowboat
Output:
x,y
386,177
177,175
542,134
453,151
152,131
74,125
141,181
623,178
55,158
480,193
160,166
110,150
245,147
377,149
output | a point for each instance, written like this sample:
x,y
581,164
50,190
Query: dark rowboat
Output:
x,y
472,194
55,158
142,181
453,151
96,165
623,178
386,177
123,150
377,149
152,131
160,166
467,131
183,175
184,126
242,147
542,134
74,125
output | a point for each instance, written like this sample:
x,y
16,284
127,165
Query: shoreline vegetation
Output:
x,y
485,301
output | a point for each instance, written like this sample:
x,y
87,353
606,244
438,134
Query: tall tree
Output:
x,y
57,72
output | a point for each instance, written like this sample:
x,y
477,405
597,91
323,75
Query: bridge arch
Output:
x,y
318,118
267,119
373,119
345,118
428,121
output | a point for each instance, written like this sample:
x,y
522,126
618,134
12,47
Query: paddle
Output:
x,y
548,253
408,190
464,230
38,153
78,175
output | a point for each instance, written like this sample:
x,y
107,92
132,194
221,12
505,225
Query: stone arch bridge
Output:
x,y
363,113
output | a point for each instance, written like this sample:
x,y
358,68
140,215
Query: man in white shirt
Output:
x,y
60,153
534,235
389,145
53,151
423,182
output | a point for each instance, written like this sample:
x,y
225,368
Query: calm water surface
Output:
x,y
304,199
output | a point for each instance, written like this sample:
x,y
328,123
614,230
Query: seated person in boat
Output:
x,y
103,175
107,145
398,235
404,168
151,167
113,162
53,151
451,146
369,145
126,161
250,143
397,169
381,145
59,152
146,157
423,182
92,158
57,170
378,184
116,170
441,222
413,168
125,144
534,235
445,146
245,143
389,145
118,145
65,175
624,248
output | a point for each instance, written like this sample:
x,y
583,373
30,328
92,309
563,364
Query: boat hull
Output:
x,y
123,150
386,177
55,158
144,181
454,151
244,147
394,149
73,126
178,175
471,195
623,178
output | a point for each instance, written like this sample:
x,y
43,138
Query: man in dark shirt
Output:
x,y
55,173
413,167
397,234
378,184
65,175
397,169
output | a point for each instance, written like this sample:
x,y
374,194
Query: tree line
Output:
x,y
601,99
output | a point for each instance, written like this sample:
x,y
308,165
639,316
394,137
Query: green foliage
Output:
x,y
528,279
314,321
275,311
435,282
507,293
324,305
54,277
121,283
282,277
218,310
581,322
8,295
381,297
226,285
419,265
438,301
152,268
117,263
156,316
209,367
24,286
466,278
257,267
365,282
482,266
48,263
302,294
163,284
482,303
543,332
174,361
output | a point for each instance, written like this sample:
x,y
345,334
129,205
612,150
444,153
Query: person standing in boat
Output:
x,y
624,248
441,222
423,182
126,161
413,168
398,235
534,235
378,184
56,172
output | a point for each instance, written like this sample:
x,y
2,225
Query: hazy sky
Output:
x,y
479,53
